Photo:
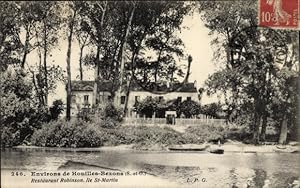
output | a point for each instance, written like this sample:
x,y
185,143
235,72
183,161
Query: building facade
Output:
x,y
83,96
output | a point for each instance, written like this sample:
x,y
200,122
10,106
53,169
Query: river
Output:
x,y
183,168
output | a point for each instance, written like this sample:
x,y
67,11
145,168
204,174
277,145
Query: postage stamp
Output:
x,y
282,14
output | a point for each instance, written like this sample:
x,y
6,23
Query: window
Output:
x,y
136,99
189,98
123,99
179,99
86,98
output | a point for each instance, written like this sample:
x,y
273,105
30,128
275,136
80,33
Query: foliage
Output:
x,y
125,41
110,111
258,66
189,108
209,133
143,137
9,42
214,110
20,113
67,134
94,134
56,109
148,106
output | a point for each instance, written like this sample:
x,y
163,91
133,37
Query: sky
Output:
x,y
197,44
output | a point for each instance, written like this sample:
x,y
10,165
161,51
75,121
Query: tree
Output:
x,y
251,57
10,46
189,108
154,29
82,36
151,106
46,37
56,109
71,22
128,30
20,114
122,51
29,20
213,110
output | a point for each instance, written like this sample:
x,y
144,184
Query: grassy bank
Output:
x,y
78,133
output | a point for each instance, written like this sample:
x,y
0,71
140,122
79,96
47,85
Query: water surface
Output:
x,y
181,167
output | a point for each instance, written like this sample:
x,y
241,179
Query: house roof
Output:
x,y
87,85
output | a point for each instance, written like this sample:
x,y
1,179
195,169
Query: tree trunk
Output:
x,y
80,63
127,96
25,49
97,63
283,131
37,89
263,127
123,55
256,122
45,66
69,89
40,86
96,75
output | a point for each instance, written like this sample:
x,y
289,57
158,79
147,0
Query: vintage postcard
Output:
x,y
150,94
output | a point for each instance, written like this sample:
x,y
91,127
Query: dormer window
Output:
x,y
160,98
73,100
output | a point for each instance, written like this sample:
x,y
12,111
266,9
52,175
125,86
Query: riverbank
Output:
x,y
229,146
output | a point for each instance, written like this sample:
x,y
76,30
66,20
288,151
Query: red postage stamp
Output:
x,y
279,13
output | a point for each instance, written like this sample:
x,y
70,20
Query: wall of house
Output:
x,y
77,101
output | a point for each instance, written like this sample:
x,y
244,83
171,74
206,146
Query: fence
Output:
x,y
178,121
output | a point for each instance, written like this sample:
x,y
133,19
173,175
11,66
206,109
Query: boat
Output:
x,y
188,148
280,147
217,151
287,150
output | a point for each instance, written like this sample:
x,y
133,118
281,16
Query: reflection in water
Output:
x,y
233,177
228,170
259,177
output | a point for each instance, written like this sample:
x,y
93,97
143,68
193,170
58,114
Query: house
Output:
x,y
83,97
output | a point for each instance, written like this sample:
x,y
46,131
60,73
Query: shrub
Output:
x,y
239,134
200,134
189,108
154,135
20,113
214,110
149,106
9,137
110,111
56,109
67,134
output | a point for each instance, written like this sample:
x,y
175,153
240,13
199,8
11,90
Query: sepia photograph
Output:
x,y
150,94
